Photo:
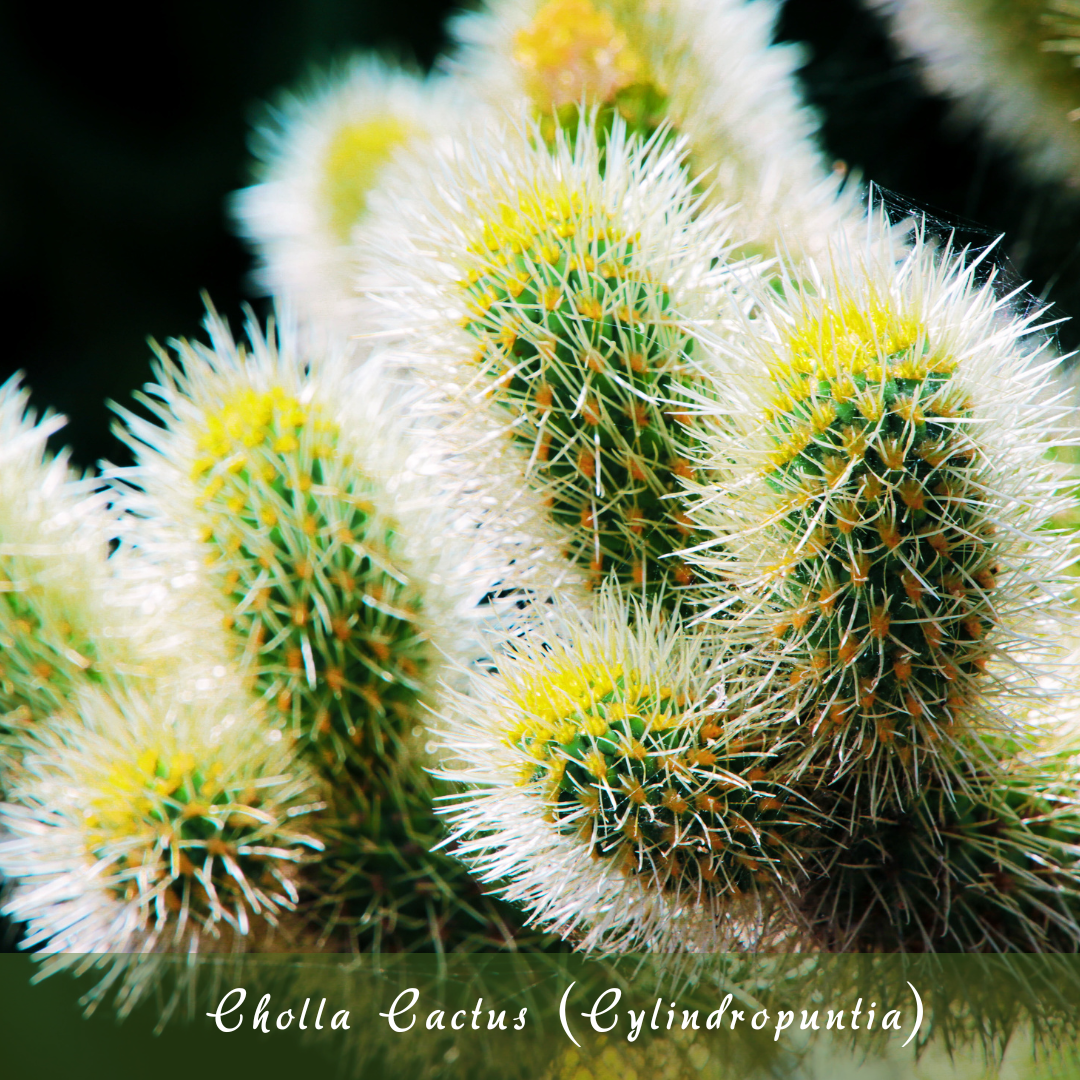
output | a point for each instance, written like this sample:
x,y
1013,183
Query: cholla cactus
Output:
x,y
992,868
256,475
884,508
154,818
566,303
609,793
707,68
287,488
1009,65
57,628
322,154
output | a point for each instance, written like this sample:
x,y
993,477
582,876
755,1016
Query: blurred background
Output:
x,y
123,135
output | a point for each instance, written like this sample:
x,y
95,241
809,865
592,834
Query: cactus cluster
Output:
x,y
633,590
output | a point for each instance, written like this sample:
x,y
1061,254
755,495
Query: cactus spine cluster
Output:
x,y
988,868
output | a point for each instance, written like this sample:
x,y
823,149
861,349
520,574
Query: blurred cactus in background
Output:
x,y
1010,65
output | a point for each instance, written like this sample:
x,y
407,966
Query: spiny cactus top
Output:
x,y
322,154
565,308
708,68
886,518
606,790
142,821
256,477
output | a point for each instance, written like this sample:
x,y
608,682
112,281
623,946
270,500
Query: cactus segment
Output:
x,y
313,576
583,348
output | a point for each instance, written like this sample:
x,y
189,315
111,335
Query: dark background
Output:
x,y
123,133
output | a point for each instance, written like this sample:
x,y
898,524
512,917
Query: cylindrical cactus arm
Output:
x,y
885,509
611,793
570,304
257,475
708,70
159,817
322,150
286,485
59,626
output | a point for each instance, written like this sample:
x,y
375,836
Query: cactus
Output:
x,y
154,818
299,543
886,523
321,153
1009,66
57,628
578,309
280,492
608,790
991,869
704,69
